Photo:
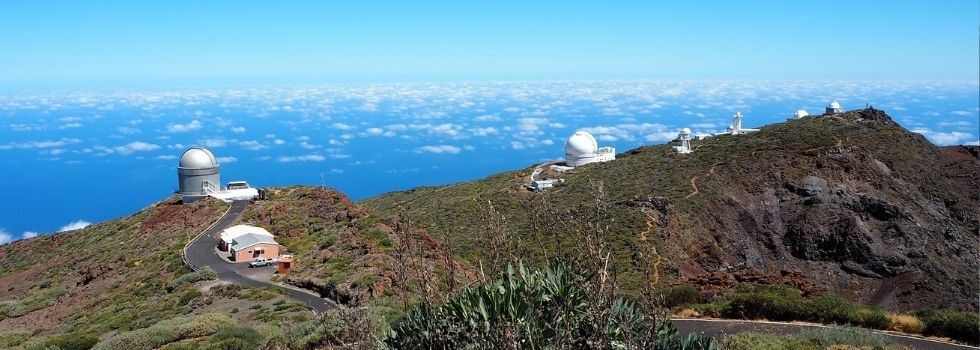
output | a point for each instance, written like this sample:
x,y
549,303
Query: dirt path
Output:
x,y
657,258
694,186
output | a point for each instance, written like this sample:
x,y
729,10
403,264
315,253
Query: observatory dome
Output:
x,y
686,131
581,143
834,105
198,158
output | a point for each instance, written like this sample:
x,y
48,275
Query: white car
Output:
x,y
262,262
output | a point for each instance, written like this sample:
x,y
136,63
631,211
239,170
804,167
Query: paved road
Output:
x,y
200,252
720,328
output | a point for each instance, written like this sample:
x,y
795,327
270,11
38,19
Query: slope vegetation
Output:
x,y
851,203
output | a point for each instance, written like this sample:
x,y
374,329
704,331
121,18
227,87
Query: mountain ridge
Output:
x,y
850,203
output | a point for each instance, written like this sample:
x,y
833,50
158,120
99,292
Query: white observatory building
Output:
x,y
800,113
834,108
736,127
685,138
581,148
198,174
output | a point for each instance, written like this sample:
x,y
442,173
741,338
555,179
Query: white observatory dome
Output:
x,y
834,105
581,143
686,131
198,158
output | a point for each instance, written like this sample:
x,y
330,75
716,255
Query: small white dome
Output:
x,y
581,143
685,131
198,158
834,105
801,113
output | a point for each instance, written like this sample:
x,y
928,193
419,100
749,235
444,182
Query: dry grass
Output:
x,y
687,312
906,324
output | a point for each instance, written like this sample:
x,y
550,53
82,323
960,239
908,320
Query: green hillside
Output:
x,y
835,203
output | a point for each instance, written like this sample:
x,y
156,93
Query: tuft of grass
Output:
x,y
168,331
35,301
204,274
906,324
826,338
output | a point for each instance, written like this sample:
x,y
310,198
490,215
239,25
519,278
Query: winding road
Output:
x,y
721,328
200,253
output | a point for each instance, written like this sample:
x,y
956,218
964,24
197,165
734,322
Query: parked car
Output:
x,y
262,262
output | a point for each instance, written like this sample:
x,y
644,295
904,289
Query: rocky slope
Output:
x,y
126,275
850,203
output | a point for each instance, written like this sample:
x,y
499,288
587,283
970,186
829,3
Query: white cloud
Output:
x,y
304,158
135,146
28,234
374,131
193,125
166,157
488,118
70,126
946,138
516,145
252,145
125,130
238,129
227,160
438,149
75,225
962,113
5,237
483,131
279,142
341,126
39,144
24,127
213,143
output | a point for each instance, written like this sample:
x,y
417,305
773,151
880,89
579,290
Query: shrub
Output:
x,y
166,332
962,326
33,302
831,308
774,302
204,274
72,341
906,324
710,310
535,309
870,317
237,338
680,295
824,338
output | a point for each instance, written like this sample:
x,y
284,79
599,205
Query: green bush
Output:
x,y
871,317
680,295
33,302
237,338
962,326
166,332
204,274
811,340
715,309
72,341
535,309
831,308
773,302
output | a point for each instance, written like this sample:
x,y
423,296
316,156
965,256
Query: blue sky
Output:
x,y
119,42
99,98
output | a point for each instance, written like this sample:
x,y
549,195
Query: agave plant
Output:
x,y
541,309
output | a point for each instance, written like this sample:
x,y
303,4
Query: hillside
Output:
x,y
117,281
851,203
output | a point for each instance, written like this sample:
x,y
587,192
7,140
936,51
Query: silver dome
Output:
x,y
198,158
581,144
